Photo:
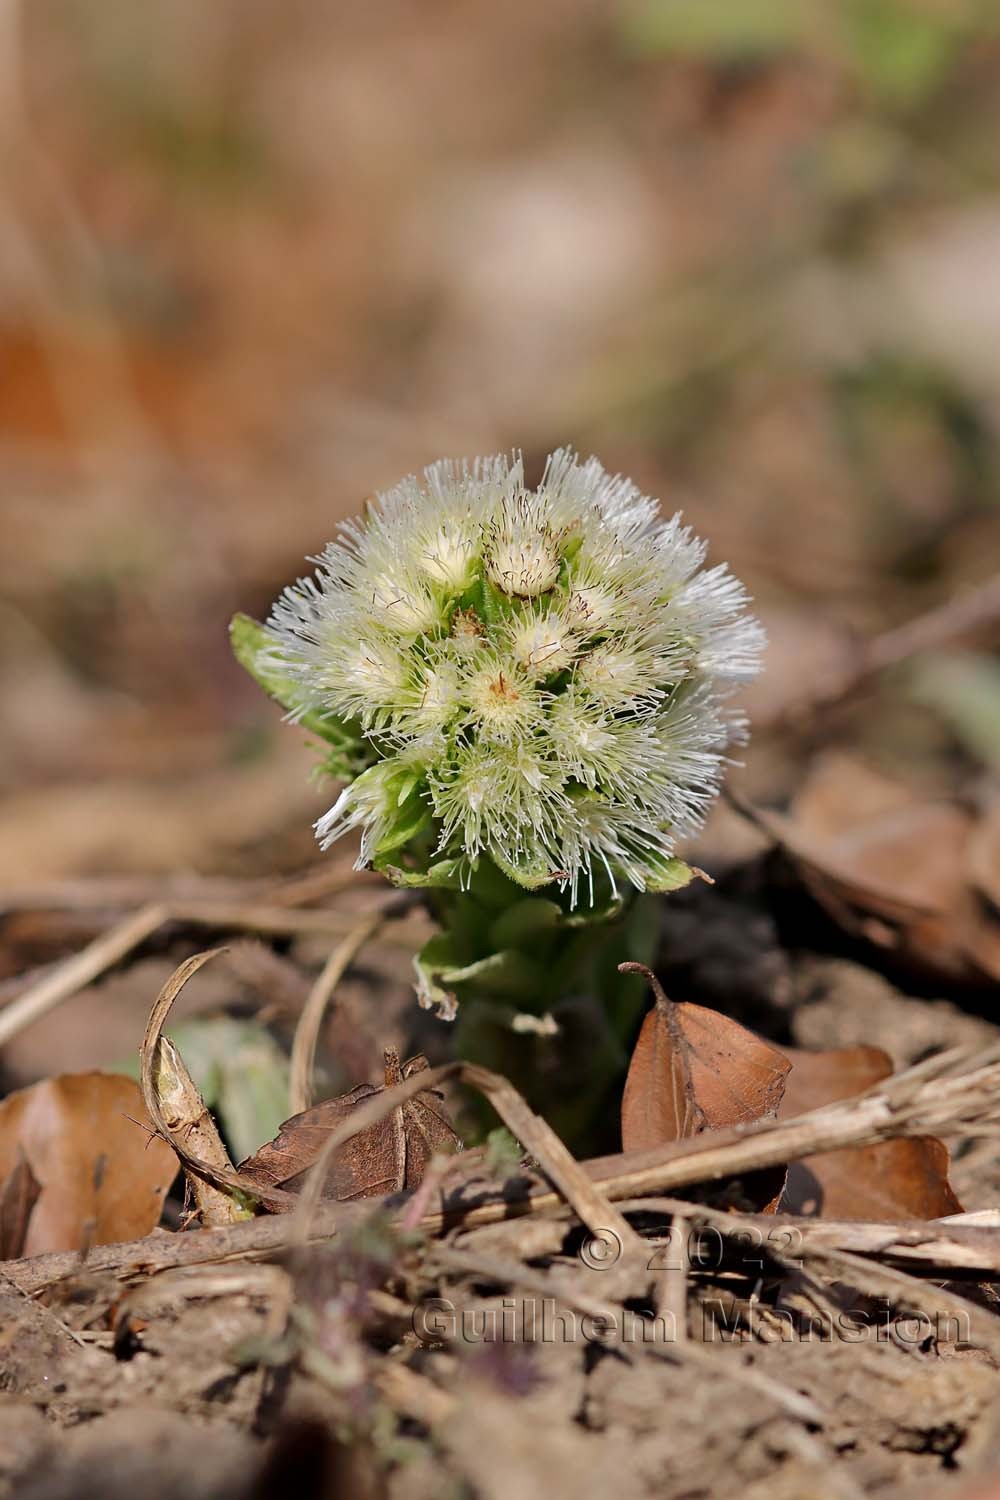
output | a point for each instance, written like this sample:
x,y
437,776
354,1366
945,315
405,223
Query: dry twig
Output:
x,y
308,1028
971,614
932,1248
66,979
129,892
911,1103
513,1273
81,969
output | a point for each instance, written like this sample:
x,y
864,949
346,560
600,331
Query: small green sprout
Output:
x,y
526,695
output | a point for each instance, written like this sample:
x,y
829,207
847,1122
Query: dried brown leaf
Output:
x,y
86,1139
901,1179
383,1158
897,870
695,1069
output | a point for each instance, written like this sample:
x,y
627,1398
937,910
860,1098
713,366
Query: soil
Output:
x,y
198,1380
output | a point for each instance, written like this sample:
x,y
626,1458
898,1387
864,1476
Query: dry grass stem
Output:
x,y
567,1290
672,1287
973,614
922,1298
62,981
413,1395
128,892
938,1247
308,1029
81,969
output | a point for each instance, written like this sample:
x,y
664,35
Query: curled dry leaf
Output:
x,y
694,1069
87,1141
183,1109
384,1158
910,875
903,1179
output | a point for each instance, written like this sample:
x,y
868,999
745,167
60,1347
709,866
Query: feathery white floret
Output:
x,y
544,670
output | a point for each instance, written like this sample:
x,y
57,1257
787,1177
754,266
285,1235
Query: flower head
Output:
x,y
536,675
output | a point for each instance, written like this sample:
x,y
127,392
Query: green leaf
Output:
x,y
503,1153
566,1077
603,911
525,920
407,821
485,886
439,955
344,763
253,648
664,875
529,878
509,973
445,962
445,875
491,886
901,50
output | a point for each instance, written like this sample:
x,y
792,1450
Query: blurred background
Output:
x,y
258,260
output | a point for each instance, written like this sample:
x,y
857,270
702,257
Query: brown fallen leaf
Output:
x,y
904,1179
18,1197
85,1138
905,874
385,1158
694,1069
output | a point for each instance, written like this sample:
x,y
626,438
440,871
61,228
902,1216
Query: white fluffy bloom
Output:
x,y
539,675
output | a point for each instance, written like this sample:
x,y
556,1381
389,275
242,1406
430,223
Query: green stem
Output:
x,y
539,995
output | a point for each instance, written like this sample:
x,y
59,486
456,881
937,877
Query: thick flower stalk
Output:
x,y
525,681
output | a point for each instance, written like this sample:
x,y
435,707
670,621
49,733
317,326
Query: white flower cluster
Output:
x,y
541,673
